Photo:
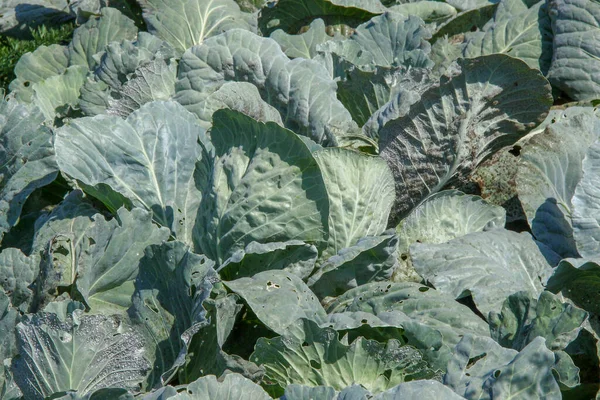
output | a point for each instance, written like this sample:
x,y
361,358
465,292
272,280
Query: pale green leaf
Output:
x,y
55,95
487,265
294,256
388,40
94,35
518,29
99,257
232,387
301,90
190,22
9,318
361,193
300,392
109,90
42,63
148,158
239,96
260,183
370,259
279,299
431,12
447,215
463,5
443,53
418,390
467,20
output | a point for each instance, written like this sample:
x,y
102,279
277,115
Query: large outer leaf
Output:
x,y
188,23
27,159
488,265
586,205
419,390
523,319
483,370
94,35
490,103
317,357
301,90
518,29
548,175
82,352
279,299
292,15
233,387
575,68
148,158
361,194
42,63
260,184
167,304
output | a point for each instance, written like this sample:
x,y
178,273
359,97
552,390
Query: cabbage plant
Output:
x,y
317,199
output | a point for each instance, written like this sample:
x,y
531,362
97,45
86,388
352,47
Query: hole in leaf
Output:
x,y
473,360
515,151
